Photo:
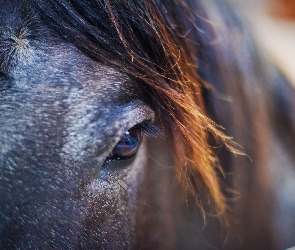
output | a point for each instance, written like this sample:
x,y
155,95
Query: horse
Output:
x,y
147,124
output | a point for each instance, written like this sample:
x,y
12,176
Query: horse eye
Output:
x,y
127,146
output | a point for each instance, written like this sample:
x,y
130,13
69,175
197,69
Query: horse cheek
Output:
x,y
112,205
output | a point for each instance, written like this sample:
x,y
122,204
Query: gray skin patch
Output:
x,y
60,117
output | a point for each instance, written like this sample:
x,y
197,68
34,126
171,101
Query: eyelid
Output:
x,y
136,114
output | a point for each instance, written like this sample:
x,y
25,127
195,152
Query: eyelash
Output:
x,y
128,145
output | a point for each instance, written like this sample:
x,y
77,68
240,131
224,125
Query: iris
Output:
x,y
128,145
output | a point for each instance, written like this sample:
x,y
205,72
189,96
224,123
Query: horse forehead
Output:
x,y
63,71
63,67
36,57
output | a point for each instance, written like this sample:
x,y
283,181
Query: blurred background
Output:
x,y
273,24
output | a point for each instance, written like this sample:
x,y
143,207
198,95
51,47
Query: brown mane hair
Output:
x,y
177,90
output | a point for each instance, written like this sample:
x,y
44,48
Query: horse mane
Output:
x,y
195,77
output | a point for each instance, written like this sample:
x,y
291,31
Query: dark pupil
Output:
x,y
128,144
